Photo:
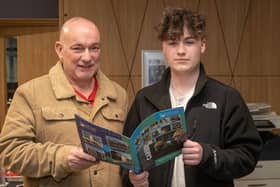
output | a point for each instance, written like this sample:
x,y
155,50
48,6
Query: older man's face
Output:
x,y
80,51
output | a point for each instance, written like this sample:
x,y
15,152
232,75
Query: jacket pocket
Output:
x,y
58,113
115,114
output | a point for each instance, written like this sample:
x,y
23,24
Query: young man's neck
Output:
x,y
183,82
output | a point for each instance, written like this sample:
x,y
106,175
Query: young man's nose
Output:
x,y
181,49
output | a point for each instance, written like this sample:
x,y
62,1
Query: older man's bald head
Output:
x,y
74,24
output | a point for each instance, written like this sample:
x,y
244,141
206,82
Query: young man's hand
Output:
x,y
139,180
192,153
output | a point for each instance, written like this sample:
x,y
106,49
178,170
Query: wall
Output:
x,y
36,54
3,95
242,39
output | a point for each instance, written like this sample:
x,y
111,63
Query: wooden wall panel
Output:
x,y
3,84
260,89
215,59
122,80
273,93
130,17
225,79
137,83
259,50
254,88
36,55
130,91
232,25
148,37
190,4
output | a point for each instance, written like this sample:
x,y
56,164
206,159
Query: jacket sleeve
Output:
x,y
241,143
21,151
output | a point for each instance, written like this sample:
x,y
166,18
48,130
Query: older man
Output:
x,y
39,139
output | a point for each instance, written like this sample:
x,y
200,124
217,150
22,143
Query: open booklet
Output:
x,y
157,139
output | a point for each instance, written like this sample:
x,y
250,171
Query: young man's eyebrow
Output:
x,y
189,37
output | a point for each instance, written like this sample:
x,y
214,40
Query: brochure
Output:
x,y
157,139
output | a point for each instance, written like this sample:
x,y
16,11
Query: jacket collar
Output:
x,y
61,86
202,79
106,87
63,89
158,94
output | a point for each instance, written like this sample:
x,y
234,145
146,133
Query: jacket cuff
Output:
x,y
207,156
61,167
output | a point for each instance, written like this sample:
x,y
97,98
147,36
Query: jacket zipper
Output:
x,y
215,157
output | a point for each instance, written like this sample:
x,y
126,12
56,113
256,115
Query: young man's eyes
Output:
x,y
185,42
189,42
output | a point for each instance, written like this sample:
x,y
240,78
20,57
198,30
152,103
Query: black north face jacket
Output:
x,y
216,117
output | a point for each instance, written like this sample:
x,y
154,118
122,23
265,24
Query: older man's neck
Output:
x,y
84,87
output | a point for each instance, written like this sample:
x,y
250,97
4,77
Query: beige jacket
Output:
x,y
39,130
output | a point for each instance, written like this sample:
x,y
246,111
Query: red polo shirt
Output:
x,y
91,97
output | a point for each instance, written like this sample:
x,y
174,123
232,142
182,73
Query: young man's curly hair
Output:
x,y
175,20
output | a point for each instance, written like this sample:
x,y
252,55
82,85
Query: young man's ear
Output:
x,y
203,45
58,49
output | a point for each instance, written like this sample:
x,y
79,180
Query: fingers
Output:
x,y
79,153
192,153
78,165
85,156
78,160
139,180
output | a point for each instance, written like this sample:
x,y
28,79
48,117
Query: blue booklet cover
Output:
x,y
157,139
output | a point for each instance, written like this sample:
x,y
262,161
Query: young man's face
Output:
x,y
183,55
80,51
